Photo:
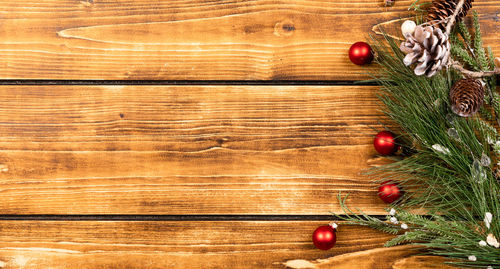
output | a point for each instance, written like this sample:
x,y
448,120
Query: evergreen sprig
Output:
x,y
456,187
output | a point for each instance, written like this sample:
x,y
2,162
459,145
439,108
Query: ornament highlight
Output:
x,y
324,237
385,143
390,192
408,27
361,53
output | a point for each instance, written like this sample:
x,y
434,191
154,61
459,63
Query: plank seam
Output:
x,y
46,217
191,82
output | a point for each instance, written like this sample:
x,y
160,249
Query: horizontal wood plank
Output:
x,y
90,244
197,40
186,149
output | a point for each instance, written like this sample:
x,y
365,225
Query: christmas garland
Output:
x,y
438,86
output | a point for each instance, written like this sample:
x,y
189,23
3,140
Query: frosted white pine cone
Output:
x,y
428,47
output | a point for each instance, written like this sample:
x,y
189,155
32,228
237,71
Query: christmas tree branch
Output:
x,y
451,169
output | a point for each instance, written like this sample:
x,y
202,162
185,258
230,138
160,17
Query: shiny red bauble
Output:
x,y
390,192
361,53
385,143
324,237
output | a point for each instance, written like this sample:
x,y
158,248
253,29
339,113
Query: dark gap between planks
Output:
x,y
190,82
179,217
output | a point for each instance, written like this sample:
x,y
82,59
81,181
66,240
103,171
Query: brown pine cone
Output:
x,y
466,96
442,9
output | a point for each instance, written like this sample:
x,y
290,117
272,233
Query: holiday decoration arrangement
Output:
x,y
438,86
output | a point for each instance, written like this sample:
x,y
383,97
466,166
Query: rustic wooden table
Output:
x,y
190,133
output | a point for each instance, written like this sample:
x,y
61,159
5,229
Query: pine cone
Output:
x,y
442,9
466,96
428,47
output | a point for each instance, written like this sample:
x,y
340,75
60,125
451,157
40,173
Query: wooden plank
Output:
x,y
89,244
196,40
186,149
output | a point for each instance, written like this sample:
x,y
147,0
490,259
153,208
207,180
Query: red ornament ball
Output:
x,y
324,237
390,192
385,143
361,53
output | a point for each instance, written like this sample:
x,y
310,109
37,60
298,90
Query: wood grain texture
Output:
x,y
147,245
196,40
186,149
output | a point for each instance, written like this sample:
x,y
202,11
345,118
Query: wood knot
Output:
x,y
284,28
87,3
4,168
299,264
221,141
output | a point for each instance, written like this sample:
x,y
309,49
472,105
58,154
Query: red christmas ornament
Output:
x,y
390,192
385,143
324,237
361,53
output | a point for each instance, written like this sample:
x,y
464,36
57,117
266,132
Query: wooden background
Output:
x,y
189,133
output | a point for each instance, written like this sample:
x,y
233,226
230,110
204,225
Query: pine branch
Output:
x,y
478,53
458,49
478,43
473,74
465,33
458,183
453,17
